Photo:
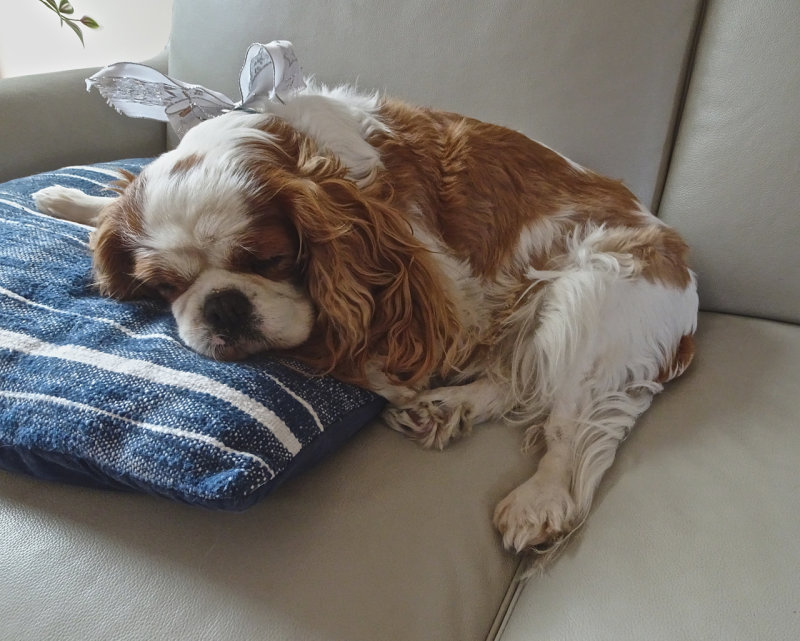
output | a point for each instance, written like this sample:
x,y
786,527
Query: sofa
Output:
x,y
695,533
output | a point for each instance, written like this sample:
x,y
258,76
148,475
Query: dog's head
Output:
x,y
259,241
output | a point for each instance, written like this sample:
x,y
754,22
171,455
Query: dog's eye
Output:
x,y
167,291
278,266
266,264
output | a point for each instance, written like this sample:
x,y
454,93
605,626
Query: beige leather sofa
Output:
x,y
696,531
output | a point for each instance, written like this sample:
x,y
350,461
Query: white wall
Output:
x,y
32,41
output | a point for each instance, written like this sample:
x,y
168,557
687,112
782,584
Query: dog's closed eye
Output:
x,y
266,265
278,266
167,290
159,279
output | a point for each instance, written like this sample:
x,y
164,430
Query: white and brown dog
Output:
x,y
459,269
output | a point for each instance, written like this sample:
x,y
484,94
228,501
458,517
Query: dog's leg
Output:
x,y
581,437
597,353
439,415
70,204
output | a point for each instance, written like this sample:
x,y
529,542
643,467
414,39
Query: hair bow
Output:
x,y
270,71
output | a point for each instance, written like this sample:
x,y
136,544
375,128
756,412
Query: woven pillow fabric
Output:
x,y
103,393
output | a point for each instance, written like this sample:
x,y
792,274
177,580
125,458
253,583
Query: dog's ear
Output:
x,y
375,285
112,254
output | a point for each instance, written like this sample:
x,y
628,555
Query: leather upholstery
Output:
x,y
695,532
734,185
50,121
533,66
384,536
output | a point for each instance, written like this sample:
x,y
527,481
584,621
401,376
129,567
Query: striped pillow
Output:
x,y
103,393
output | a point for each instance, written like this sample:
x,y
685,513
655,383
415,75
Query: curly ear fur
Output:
x,y
374,285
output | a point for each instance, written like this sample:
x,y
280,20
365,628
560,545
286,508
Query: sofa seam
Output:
x,y
510,598
679,104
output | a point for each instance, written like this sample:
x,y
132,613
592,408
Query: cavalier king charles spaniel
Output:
x,y
459,269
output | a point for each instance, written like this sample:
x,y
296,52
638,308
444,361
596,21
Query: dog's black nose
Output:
x,y
227,311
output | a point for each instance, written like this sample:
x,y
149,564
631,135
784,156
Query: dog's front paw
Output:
x,y
432,423
536,516
55,200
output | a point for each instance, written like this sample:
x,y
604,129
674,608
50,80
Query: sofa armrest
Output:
x,y
50,120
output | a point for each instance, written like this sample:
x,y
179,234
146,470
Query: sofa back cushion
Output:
x,y
734,183
597,80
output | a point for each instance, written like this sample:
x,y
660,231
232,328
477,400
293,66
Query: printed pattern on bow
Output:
x,y
270,72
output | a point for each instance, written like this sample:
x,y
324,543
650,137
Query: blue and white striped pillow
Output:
x,y
103,393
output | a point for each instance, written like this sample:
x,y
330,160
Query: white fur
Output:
x,y
340,120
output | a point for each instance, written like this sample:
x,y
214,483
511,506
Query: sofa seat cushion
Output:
x,y
696,531
100,392
384,540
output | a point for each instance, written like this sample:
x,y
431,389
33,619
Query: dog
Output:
x,y
457,268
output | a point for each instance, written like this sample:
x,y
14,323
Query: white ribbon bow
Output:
x,y
270,71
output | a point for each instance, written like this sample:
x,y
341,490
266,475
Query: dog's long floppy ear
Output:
x,y
374,284
113,260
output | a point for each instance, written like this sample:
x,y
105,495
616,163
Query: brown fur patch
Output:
x,y
480,184
185,164
112,241
125,179
680,361
659,252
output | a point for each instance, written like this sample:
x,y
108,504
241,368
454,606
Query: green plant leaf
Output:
x,y
66,8
77,31
86,21
51,4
